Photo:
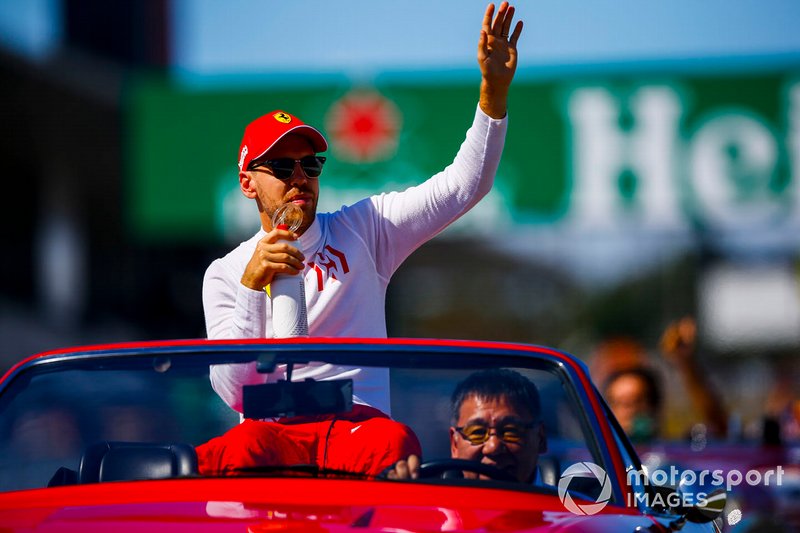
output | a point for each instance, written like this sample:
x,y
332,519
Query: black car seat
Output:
x,y
125,461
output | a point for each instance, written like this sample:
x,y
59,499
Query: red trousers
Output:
x,y
363,441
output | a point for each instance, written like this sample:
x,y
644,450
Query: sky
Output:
x,y
213,37
361,37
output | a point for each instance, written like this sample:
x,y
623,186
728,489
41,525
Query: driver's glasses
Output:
x,y
283,167
512,433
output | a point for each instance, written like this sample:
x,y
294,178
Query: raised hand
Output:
x,y
497,58
679,341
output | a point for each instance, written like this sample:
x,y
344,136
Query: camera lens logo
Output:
x,y
584,470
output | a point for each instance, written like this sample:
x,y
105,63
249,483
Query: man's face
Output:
x,y
517,458
271,192
627,398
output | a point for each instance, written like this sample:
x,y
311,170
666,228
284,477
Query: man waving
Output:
x,y
279,162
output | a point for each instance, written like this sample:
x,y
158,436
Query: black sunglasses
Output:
x,y
283,167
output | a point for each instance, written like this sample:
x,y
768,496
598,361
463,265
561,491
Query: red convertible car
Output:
x,y
104,438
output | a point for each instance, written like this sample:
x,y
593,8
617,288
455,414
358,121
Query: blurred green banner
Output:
x,y
664,153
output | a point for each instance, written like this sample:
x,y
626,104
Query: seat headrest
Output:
x,y
126,461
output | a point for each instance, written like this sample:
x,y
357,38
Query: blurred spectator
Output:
x,y
634,396
633,388
679,347
46,433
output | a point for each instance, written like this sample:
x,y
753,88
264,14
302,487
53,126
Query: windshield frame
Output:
x,y
398,353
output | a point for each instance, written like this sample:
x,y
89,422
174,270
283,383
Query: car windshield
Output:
x,y
54,409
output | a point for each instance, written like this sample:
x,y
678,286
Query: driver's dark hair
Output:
x,y
519,391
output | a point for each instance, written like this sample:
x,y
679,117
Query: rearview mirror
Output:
x,y
702,502
289,398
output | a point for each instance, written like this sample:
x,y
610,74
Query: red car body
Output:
x,y
220,505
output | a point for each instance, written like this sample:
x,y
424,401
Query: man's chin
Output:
x,y
308,219
309,211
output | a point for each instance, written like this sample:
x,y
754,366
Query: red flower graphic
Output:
x,y
364,127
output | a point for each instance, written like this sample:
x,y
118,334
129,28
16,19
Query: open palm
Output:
x,y
497,57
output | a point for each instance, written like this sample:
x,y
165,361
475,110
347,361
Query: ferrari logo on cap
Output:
x,y
282,117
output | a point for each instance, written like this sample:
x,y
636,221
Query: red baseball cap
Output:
x,y
262,134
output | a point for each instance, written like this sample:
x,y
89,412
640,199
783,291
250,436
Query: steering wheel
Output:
x,y
438,467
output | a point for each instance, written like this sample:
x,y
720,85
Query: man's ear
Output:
x,y
247,185
453,446
542,439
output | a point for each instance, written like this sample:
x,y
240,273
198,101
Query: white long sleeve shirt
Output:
x,y
351,255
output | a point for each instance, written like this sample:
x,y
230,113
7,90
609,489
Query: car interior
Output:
x,y
141,422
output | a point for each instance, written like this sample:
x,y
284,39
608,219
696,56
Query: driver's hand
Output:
x,y
408,469
273,255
